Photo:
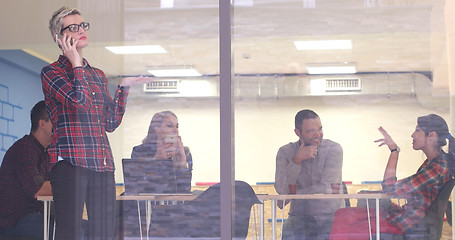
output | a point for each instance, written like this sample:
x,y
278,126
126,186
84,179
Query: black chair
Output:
x,y
345,191
3,237
200,218
430,228
449,213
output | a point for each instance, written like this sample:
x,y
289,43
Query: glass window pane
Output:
x,y
186,35
359,65
391,60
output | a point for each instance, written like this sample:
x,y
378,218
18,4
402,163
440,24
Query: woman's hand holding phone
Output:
x,y
166,148
171,139
69,49
175,150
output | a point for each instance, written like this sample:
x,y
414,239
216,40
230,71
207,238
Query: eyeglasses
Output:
x,y
75,27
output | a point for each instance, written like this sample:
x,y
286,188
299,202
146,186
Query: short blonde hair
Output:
x,y
55,24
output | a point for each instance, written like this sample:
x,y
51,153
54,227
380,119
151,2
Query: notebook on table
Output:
x,y
143,177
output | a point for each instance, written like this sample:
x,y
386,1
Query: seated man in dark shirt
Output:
x,y
24,175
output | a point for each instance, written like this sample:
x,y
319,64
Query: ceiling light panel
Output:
x,y
138,49
331,68
166,3
186,72
309,3
242,3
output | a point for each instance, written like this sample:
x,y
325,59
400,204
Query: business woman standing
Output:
x,y
82,111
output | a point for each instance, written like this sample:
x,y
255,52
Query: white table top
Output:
x,y
189,197
153,197
327,196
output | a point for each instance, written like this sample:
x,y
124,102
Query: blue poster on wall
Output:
x,y
7,138
20,90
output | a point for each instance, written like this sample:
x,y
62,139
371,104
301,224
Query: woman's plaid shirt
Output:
x,y
419,189
82,111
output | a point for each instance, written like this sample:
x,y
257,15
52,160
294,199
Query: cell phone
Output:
x,y
56,37
170,139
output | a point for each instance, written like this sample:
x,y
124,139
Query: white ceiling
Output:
x,y
387,35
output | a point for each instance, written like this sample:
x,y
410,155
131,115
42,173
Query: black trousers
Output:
x,y
72,187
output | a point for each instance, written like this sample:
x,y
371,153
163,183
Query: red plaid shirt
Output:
x,y
82,111
24,167
420,191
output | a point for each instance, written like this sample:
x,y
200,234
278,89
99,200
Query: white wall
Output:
x,y
263,125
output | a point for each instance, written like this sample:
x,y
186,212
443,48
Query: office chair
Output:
x,y
430,227
449,213
200,218
3,237
347,203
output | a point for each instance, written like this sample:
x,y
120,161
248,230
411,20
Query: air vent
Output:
x,y
342,85
162,86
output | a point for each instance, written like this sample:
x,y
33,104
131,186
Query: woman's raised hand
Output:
x,y
387,140
129,81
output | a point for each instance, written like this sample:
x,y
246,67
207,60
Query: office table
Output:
x,y
146,197
262,197
275,198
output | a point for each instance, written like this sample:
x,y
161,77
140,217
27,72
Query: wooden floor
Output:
x,y
446,231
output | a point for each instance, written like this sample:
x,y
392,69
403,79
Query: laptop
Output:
x,y
143,177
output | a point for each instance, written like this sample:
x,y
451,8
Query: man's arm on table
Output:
x,y
45,190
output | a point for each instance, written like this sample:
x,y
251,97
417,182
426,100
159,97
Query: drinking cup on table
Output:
x,y
336,188
292,188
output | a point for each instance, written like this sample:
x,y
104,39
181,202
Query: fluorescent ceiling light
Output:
x,y
167,4
185,72
331,68
138,49
323,45
309,3
242,3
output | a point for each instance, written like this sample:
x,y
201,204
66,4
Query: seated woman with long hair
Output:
x,y
164,142
419,189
